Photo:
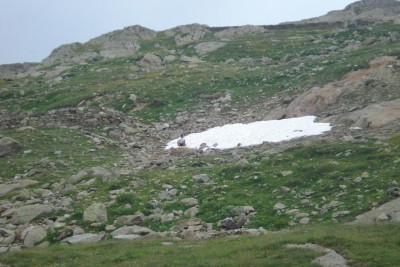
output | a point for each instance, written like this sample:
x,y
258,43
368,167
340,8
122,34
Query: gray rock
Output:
x,y
84,238
227,224
8,146
129,220
279,206
33,235
304,220
167,217
7,237
389,212
28,213
169,59
6,188
192,212
190,33
340,214
168,194
190,60
286,173
383,217
96,213
189,202
102,172
76,178
151,61
188,224
206,47
131,230
246,210
201,178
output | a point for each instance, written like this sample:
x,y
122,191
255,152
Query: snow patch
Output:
x,y
255,133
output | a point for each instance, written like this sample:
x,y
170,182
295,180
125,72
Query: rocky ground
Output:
x,y
143,145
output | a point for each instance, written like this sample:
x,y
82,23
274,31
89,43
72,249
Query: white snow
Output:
x,y
255,133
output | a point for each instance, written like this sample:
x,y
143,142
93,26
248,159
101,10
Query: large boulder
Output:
x,y
389,212
28,213
129,220
207,47
151,61
131,230
96,213
33,235
84,238
8,146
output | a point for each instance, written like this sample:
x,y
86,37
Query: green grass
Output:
x,y
38,152
360,245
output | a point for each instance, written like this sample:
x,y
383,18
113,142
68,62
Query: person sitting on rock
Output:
x,y
181,141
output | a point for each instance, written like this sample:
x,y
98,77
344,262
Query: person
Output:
x,y
181,141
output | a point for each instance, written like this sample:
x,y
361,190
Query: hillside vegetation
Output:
x,y
82,138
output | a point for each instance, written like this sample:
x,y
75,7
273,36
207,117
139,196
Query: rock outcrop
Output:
x,y
118,43
360,11
389,212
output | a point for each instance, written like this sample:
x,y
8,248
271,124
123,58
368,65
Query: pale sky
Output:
x,y
31,29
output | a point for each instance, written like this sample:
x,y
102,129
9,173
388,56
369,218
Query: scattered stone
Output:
x,y
191,212
279,206
304,220
96,213
7,237
206,47
33,235
286,173
76,178
28,213
26,129
167,217
151,61
168,194
85,238
201,178
242,210
340,214
129,220
189,202
129,230
284,189
8,146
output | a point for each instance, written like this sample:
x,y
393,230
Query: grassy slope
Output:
x,y
361,245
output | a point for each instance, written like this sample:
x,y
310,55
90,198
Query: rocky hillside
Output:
x,y
82,134
366,11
